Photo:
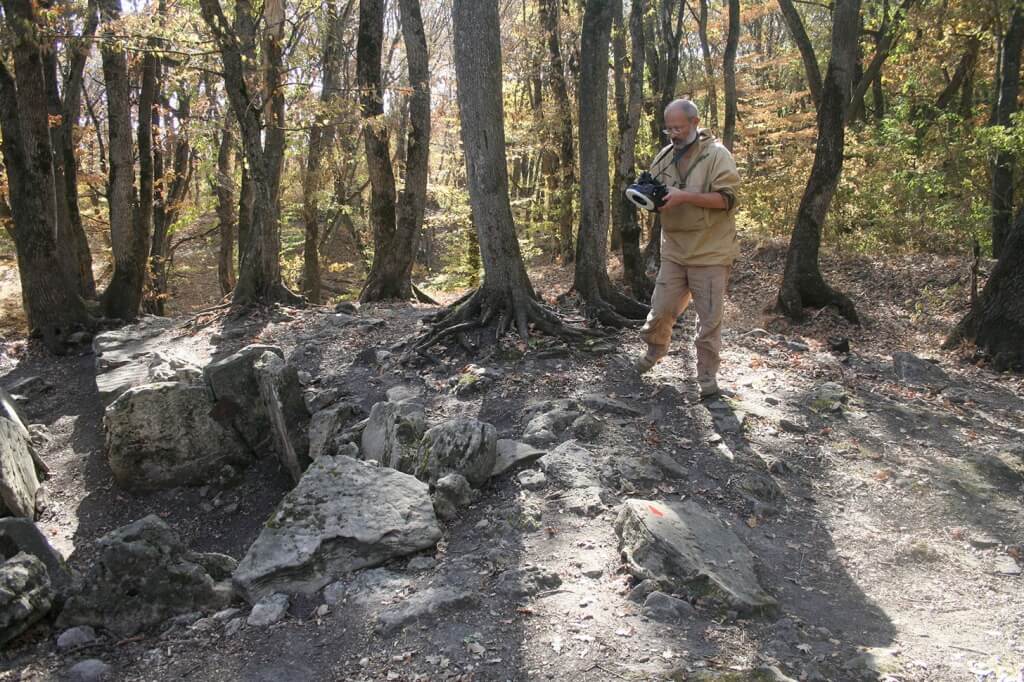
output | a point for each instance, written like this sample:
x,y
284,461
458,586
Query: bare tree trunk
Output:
x,y
506,298
49,294
996,322
890,33
1006,106
803,44
629,105
729,67
709,67
549,15
224,189
802,283
245,209
148,119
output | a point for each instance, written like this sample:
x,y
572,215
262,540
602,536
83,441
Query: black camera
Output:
x,y
647,193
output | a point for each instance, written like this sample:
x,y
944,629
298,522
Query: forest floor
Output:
x,y
892,543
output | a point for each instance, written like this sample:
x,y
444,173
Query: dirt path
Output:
x,y
884,516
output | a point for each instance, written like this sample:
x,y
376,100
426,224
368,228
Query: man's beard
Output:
x,y
679,143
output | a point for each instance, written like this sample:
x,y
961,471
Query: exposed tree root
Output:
x,y
496,312
811,291
422,296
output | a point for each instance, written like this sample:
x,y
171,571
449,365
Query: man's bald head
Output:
x,y
683,106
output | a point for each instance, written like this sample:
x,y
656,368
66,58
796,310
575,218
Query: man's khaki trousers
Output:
x,y
675,287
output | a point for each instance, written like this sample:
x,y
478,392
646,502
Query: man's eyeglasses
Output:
x,y
671,131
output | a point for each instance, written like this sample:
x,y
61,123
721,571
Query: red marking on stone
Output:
x,y
655,510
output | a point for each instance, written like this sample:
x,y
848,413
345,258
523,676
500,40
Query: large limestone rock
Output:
x,y
163,435
142,577
281,393
236,389
22,535
19,483
138,354
679,545
392,435
462,446
25,594
330,429
345,514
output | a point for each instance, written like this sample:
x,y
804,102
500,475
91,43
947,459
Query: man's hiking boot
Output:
x,y
709,389
644,363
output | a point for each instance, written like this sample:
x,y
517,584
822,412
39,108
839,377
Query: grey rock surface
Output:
x,y
22,535
25,594
236,390
463,446
392,435
282,397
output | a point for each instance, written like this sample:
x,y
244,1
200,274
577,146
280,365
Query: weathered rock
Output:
x,y
911,369
570,466
343,515
281,392
588,501
475,379
368,588
422,605
828,396
25,594
327,428
123,345
154,366
531,479
75,638
236,389
90,670
667,609
681,545
141,578
511,453
519,583
451,492
9,410
392,436
162,435
138,354
19,483
269,610
549,426
21,535
421,563
463,446
219,566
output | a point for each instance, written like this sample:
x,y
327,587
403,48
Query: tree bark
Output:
x,y
506,298
259,277
1006,106
245,209
802,283
395,228
803,44
224,190
729,67
996,322
709,67
148,119
629,105
49,294
549,15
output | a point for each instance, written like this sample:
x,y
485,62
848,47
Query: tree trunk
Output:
x,y
549,17
600,300
259,277
245,209
729,67
996,322
49,294
629,106
709,67
148,119
395,229
129,244
1006,106
506,297
890,33
321,137
803,43
224,190
802,283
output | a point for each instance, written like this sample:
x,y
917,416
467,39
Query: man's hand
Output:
x,y
677,197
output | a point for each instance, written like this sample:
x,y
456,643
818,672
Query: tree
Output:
x,y
130,227
261,125
803,44
506,298
321,137
996,321
549,17
802,282
709,67
224,190
396,227
52,304
729,68
629,97
601,302
1006,106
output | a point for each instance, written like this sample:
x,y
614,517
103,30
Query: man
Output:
x,y
698,241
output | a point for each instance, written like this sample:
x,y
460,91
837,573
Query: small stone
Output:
x,y
531,479
226,614
233,626
792,426
984,541
269,610
204,625
665,608
1007,565
322,610
90,670
421,563
594,572
76,637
